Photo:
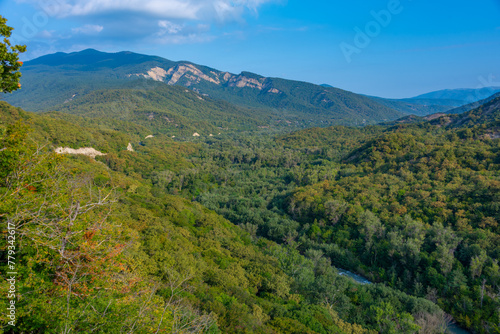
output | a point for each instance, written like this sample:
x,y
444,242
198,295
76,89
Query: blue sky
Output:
x,y
389,48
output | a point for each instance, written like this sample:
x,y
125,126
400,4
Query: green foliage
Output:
x,y
156,260
71,274
9,60
413,208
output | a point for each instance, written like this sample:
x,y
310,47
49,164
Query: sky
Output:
x,y
387,48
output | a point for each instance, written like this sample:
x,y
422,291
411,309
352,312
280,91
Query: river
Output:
x,y
452,329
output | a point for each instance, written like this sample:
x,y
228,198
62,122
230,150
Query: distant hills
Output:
x,y
449,100
460,96
473,105
60,81
485,112
486,115
409,107
131,86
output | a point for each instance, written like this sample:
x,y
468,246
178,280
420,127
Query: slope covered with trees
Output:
x,y
243,232
414,206
60,78
114,240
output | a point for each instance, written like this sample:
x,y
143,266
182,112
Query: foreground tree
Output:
x,y
70,269
9,60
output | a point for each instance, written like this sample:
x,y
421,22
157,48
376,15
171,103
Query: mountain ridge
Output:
x,y
441,101
62,76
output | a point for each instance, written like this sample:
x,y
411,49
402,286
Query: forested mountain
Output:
x,y
419,107
168,110
142,228
450,101
472,105
65,82
60,78
461,96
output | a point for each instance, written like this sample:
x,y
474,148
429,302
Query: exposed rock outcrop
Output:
x,y
191,73
156,73
241,81
194,75
88,151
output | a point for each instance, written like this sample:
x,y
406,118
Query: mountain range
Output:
x,y
163,95
65,79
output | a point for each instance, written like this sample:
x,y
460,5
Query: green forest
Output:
x,y
244,232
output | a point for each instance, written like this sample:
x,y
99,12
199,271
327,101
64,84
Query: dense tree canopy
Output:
x,y
245,232
9,60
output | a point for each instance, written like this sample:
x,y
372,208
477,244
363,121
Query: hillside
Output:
x,y
54,80
418,107
422,192
485,119
462,96
472,105
146,256
167,110
488,114
449,101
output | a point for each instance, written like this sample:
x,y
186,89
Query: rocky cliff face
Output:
x,y
241,81
189,75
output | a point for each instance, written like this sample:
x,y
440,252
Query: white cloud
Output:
x,y
168,27
88,29
221,10
172,33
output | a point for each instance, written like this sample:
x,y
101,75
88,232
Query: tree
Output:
x,y
446,243
9,60
373,231
391,322
71,273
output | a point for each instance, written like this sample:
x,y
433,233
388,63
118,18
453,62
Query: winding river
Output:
x,y
452,329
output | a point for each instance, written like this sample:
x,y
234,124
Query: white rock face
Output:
x,y
88,151
190,72
150,136
156,73
194,76
196,134
130,148
241,81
